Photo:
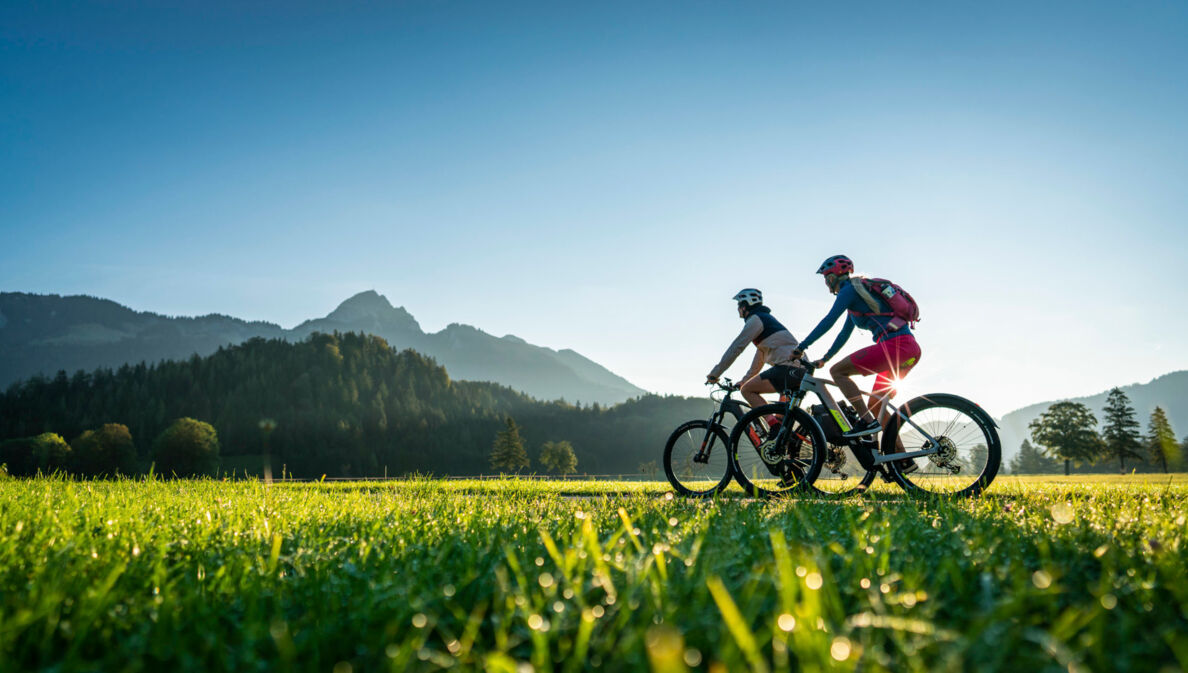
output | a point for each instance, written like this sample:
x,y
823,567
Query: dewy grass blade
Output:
x,y
737,625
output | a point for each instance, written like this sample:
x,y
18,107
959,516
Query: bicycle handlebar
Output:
x,y
724,384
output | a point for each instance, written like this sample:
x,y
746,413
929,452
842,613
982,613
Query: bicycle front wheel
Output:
x,y
970,451
769,462
697,460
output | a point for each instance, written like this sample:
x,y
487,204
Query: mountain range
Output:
x,y
1169,391
42,334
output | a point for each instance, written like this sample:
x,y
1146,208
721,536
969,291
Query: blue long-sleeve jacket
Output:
x,y
848,300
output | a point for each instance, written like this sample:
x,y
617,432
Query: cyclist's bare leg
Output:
x,y
841,373
752,391
878,398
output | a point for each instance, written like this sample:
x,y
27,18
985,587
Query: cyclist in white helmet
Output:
x,y
774,345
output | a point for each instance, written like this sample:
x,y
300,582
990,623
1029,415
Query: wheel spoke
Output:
x,y
968,447
688,475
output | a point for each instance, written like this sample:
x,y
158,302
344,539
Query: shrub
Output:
x,y
558,457
188,447
52,453
17,456
27,456
104,451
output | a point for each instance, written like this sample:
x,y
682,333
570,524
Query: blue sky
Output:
x,y
604,176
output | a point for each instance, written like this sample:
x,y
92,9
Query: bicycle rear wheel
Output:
x,y
770,463
970,452
697,459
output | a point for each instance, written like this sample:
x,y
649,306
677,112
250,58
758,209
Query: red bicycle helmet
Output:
x,y
837,265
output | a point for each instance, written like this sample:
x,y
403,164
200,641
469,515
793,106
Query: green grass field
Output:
x,y
1073,574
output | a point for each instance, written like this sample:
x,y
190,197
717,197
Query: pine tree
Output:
x,y
1066,431
558,457
1031,460
1120,429
1161,440
508,454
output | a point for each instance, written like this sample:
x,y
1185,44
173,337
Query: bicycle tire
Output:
x,y
686,477
762,478
959,424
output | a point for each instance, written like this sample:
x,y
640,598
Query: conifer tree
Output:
x,y
1066,431
1031,460
1120,429
508,454
1161,440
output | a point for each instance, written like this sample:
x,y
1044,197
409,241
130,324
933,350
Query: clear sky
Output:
x,y
603,176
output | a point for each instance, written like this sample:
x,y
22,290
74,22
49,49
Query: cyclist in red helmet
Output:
x,y
892,356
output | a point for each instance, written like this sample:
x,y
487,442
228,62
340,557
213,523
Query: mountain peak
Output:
x,y
372,308
368,300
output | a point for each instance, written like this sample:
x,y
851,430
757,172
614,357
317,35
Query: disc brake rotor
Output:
x,y
946,456
773,451
837,459
770,453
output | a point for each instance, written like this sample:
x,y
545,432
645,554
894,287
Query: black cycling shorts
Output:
x,y
783,377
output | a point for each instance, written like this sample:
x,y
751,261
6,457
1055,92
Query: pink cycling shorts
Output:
x,y
890,359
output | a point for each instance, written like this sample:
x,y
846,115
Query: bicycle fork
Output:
x,y
707,442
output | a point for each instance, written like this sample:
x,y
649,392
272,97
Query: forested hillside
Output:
x,y
1170,392
42,334
343,405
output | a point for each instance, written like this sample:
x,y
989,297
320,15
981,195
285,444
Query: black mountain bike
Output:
x,y
699,460
696,459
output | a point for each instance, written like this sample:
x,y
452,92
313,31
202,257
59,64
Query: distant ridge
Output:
x,y
1169,391
42,334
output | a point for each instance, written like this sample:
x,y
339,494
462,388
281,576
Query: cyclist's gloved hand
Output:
x,y
818,364
710,378
797,354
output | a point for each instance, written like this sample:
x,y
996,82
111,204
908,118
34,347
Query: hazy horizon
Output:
x,y
604,178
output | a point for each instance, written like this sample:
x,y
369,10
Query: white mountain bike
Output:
x,y
936,443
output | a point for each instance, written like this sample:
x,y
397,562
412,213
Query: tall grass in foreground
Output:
x,y
511,576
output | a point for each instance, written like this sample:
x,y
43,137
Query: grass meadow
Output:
x,y
1040,574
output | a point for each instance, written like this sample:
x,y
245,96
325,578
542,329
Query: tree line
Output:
x,y
1068,433
334,404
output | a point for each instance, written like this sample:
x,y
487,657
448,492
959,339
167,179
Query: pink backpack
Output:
x,y
904,310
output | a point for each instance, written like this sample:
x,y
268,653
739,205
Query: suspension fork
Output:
x,y
791,402
707,442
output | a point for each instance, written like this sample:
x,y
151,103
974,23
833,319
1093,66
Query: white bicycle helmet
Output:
x,y
750,296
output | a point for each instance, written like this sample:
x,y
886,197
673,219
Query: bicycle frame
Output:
x,y
726,406
722,407
817,386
